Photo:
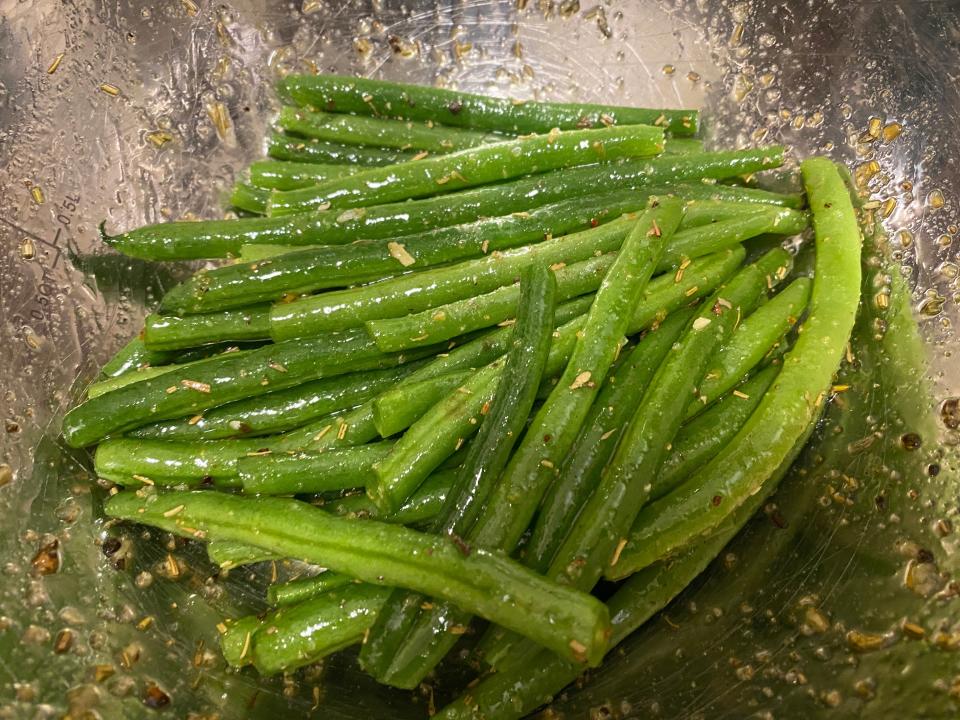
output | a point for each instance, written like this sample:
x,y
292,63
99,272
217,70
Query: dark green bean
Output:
x,y
132,356
296,591
249,198
285,147
425,504
335,469
169,332
229,555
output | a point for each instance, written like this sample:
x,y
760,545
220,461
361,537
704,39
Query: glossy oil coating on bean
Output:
x,y
366,96
379,132
285,147
571,623
289,175
299,473
474,166
743,466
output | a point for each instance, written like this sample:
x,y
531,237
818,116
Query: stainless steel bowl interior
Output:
x,y
838,599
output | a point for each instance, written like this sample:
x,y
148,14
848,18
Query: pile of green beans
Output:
x,y
459,322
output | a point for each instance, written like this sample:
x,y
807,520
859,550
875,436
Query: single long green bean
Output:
x,y
365,96
379,132
337,469
128,461
306,150
282,410
169,332
742,468
753,339
571,623
221,380
222,238
289,175
473,166
395,409
296,591
333,266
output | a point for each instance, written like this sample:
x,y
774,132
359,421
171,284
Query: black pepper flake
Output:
x,y
778,520
924,556
933,469
455,107
155,698
716,500
547,438
881,502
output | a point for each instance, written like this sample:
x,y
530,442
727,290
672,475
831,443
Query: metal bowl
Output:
x,y
837,599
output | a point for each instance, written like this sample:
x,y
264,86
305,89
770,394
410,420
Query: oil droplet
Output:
x,y
935,199
892,131
693,76
668,69
911,441
949,270
944,241
109,89
950,412
874,126
932,305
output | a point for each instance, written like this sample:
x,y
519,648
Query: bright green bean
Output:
x,y
336,469
288,175
285,147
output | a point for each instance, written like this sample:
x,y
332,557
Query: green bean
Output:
x,y
473,166
221,238
296,591
514,500
531,677
744,196
425,504
337,469
302,634
126,461
169,332
399,408
284,147
501,427
118,381
743,466
571,623
281,410
235,640
191,390
593,447
249,198
132,356
683,146
355,427
318,268
227,555
364,96
702,438
753,339
395,409
378,132
289,175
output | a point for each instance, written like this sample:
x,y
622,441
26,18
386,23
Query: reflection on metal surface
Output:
x,y
142,112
